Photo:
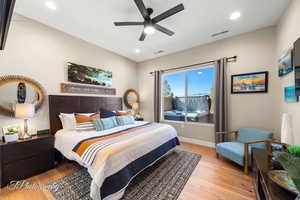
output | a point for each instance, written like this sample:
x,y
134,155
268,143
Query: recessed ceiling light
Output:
x,y
137,51
51,5
149,30
235,15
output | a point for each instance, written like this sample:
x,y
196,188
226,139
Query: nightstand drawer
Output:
x,y
23,169
22,150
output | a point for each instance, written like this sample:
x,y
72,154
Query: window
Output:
x,y
188,95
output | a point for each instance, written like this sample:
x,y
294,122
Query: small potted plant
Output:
x,y
291,163
12,134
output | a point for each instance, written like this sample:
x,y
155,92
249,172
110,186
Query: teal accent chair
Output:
x,y
239,150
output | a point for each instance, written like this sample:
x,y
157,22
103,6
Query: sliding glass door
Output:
x,y
174,96
188,95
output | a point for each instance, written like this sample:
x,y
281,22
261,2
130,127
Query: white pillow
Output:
x,y
68,121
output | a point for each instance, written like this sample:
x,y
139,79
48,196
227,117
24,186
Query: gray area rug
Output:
x,y
162,181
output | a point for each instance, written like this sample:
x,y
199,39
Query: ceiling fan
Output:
x,y
150,24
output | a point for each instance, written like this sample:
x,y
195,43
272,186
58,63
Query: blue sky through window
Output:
x,y
200,82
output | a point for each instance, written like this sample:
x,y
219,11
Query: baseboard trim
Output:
x,y
196,141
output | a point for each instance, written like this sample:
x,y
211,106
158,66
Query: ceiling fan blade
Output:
x,y
164,30
168,13
128,23
141,6
143,36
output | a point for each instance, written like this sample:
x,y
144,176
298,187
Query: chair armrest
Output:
x,y
259,141
246,149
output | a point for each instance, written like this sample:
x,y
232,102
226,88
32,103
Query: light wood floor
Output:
x,y
213,179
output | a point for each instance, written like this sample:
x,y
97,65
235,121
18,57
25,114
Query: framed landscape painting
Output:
x,y
286,63
249,83
89,75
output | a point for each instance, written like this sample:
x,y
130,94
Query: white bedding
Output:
x,y
115,156
65,140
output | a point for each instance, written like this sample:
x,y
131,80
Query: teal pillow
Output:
x,y
98,124
125,120
105,123
109,122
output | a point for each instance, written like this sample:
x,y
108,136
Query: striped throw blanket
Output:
x,y
88,148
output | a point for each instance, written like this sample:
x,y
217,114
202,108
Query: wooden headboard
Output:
x,y
78,104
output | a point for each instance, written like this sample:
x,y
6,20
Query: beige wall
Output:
x,y
255,51
288,31
41,53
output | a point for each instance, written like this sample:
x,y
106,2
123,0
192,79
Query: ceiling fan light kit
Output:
x,y
150,24
149,30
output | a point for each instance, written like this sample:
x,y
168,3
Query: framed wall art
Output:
x,y
286,62
250,83
290,94
88,75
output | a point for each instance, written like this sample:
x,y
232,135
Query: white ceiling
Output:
x,y
92,20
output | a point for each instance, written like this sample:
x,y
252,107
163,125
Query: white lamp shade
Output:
x,y
287,129
135,106
24,111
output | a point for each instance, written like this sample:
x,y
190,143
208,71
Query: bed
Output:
x,y
112,157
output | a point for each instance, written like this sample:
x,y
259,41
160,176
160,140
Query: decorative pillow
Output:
x,y
109,122
68,121
85,118
107,113
125,120
123,113
105,123
98,124
85,122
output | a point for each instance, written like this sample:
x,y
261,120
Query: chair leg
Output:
x,y
246,159
217,155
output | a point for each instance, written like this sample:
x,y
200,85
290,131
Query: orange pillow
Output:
x,y
82,118
123,113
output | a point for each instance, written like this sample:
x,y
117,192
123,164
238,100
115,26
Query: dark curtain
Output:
x,y
157,95
221,102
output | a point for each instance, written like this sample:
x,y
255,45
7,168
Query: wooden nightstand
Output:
x,y
25,158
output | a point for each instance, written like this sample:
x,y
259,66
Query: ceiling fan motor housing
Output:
x,y
150,11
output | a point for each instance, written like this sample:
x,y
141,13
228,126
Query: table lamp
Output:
x,y
135,108
24,111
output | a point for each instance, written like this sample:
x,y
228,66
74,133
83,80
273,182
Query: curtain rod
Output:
x,y
230,59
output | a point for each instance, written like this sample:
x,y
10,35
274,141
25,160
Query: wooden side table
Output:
x,y
25,158
264,187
